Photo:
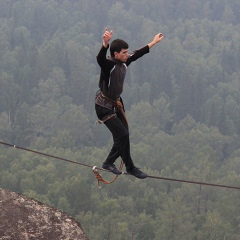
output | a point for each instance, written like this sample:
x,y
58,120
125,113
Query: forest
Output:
x,y
182,102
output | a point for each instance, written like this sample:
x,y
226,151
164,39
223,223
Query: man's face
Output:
x,y
122,55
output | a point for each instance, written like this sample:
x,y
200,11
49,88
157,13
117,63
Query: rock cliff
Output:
x,y
22,218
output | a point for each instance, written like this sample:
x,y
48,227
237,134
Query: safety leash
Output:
x,y
120,106
100,178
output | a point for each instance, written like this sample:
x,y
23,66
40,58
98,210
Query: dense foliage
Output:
x,y
182,102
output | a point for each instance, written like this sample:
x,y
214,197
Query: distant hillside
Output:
x,y
24,218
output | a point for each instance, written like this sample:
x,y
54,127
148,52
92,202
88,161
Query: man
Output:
x,y
108,103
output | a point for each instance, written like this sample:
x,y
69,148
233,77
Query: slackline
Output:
x,y
94,167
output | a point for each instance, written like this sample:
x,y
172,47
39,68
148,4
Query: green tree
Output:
x,y
174,221
215,227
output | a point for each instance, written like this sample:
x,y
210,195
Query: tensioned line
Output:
x,y
94,167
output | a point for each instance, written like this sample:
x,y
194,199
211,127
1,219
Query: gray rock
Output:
x,y
23,218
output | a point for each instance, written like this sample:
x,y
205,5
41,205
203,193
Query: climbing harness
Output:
x,y
109,103
105,118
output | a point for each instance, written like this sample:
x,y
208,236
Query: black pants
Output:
x,y
119,129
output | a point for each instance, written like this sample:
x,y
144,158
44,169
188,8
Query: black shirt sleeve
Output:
x,y
105,64
137,54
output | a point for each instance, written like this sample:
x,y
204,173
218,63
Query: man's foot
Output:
x,y
111,167
137,173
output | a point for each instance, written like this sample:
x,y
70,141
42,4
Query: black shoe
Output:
x,y
137,173
111,167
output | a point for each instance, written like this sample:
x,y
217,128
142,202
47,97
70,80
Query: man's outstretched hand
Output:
x,y
156,40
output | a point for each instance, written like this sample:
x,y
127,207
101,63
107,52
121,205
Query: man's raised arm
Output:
x,y
106,37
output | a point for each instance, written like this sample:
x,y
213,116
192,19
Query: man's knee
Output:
x,y
124,135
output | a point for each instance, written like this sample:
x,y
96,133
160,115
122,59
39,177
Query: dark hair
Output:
x,y
117,45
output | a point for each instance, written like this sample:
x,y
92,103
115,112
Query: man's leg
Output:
x,y
121,143
121,147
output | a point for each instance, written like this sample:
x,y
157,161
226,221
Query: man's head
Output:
x,y
119,50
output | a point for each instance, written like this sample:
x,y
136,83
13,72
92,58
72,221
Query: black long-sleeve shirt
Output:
x,y
113,71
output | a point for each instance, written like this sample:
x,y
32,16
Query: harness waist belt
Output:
x,y
104,101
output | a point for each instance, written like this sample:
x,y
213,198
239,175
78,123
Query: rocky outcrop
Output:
x,y
22,218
